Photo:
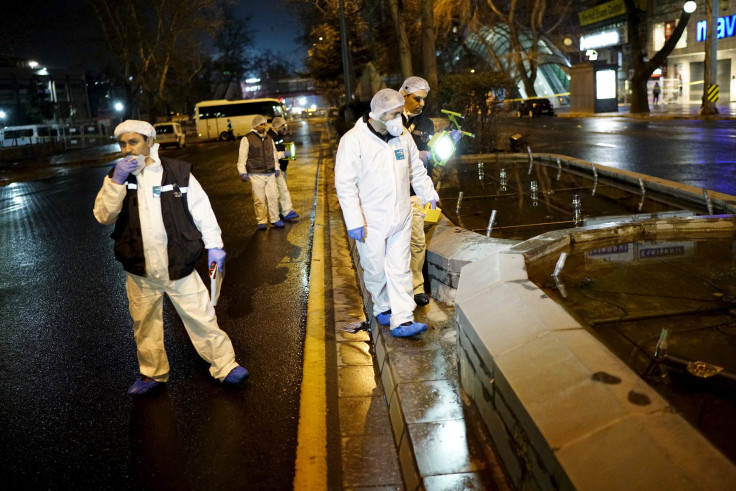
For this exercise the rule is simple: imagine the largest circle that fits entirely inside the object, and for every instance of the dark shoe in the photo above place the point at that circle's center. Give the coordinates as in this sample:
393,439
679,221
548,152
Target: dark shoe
292,215
279,224
262,226
408,329
384,318
144,385
236,376
421,299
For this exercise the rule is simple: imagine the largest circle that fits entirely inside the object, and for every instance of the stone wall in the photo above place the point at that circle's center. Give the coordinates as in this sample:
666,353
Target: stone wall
563,411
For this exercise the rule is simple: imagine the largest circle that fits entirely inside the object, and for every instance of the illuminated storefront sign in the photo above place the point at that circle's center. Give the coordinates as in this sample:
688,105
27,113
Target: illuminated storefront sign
602,12
599,40
725,28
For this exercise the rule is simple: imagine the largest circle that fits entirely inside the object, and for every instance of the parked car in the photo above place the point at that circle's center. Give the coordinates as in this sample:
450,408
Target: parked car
170,134
535,108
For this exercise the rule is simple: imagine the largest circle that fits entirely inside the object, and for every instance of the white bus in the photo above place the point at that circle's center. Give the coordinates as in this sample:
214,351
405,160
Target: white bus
31,134
212,116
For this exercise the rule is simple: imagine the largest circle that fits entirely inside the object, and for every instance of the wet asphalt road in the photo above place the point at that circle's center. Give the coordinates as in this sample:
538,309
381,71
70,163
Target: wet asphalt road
695,152
67,354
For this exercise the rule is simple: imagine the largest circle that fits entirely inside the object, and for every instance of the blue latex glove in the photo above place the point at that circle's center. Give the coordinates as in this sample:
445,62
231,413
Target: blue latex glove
456,135
217,256
123,169
244,177
357,233
425,156
433,202
287,154
278,173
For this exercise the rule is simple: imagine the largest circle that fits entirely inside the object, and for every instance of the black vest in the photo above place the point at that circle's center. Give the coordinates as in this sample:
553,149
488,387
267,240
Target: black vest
278,140
184,243
260,154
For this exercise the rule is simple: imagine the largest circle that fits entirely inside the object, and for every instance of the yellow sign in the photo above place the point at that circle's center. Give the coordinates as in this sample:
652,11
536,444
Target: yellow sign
604,11
713,93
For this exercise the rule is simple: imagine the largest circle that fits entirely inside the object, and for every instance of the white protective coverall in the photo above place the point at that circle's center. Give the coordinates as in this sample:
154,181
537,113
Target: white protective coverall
372,181
189,294
265,186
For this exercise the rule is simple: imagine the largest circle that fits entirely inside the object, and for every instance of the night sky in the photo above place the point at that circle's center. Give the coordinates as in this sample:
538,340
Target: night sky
63,34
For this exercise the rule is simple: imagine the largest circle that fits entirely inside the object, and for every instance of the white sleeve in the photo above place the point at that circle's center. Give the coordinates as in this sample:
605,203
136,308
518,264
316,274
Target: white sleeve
420,181
347,174
276,156
109,201
204,217
243,155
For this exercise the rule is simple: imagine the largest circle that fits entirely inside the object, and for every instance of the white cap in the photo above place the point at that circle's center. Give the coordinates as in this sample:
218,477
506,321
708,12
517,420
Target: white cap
385,100
257,120
278,122
414,84
134,126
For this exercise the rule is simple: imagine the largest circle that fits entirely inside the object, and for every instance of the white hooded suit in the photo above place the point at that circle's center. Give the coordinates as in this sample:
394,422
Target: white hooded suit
372,178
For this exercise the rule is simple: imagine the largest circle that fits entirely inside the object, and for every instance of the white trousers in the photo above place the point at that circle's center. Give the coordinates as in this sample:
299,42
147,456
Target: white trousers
284,195
265,193
384,257
417,245
192,301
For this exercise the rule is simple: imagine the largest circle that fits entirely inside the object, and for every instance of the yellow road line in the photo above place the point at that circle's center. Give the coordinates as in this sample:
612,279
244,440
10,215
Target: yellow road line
311,450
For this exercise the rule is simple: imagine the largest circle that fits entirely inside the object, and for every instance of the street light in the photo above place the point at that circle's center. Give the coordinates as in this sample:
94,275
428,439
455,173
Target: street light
689,7
119,109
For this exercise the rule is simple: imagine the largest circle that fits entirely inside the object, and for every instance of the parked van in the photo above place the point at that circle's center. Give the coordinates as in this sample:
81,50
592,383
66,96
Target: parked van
170,134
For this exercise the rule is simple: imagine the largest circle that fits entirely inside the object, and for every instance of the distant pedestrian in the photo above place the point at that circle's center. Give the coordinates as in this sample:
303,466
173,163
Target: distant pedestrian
277,131
163,219
258,163
230,134
655,93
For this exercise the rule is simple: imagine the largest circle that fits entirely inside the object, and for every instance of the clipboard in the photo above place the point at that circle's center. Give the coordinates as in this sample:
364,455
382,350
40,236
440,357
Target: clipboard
215,283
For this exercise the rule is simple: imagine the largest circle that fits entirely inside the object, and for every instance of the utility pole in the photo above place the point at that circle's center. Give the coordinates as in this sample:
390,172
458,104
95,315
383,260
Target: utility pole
710,70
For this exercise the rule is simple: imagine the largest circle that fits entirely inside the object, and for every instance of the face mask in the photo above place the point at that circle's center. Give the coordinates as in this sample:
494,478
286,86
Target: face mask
395,126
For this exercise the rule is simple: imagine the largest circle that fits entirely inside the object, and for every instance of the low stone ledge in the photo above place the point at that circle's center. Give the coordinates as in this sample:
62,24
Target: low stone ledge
565,412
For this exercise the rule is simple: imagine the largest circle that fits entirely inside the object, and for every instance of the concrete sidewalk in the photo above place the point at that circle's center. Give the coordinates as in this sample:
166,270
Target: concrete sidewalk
441,441
663,110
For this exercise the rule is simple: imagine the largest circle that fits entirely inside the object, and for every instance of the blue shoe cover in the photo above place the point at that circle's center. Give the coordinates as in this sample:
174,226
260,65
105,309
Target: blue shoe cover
384,318
408,329
262,226
143,385
291,215
236,376
278,224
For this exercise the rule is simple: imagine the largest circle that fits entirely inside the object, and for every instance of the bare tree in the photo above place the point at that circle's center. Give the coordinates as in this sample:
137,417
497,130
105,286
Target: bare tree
151,38
637,23
403,40
526,22
429,43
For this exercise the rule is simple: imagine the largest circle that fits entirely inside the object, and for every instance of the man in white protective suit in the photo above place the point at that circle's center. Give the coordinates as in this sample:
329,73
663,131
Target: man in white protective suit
376,161
163,219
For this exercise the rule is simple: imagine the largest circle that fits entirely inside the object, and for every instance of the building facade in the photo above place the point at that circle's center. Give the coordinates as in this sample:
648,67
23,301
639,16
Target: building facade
682,76
31,93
